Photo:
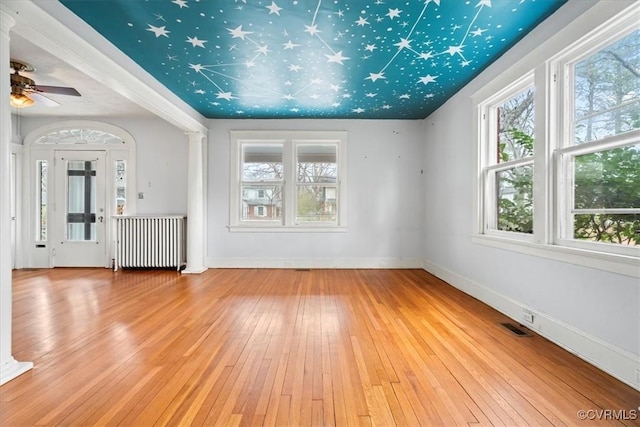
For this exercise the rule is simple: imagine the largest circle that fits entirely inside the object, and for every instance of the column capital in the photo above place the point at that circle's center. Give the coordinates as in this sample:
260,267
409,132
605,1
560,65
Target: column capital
6,20
195,136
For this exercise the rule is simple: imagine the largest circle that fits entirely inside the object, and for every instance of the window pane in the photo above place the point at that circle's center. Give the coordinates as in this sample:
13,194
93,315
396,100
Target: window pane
608,228
262,162
261,202
317,164
515,127
316,203
121,186
81,200
41,203
608,179
607,91
515,199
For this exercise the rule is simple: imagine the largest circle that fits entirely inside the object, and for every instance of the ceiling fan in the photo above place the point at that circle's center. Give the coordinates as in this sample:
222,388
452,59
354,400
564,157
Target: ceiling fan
25,92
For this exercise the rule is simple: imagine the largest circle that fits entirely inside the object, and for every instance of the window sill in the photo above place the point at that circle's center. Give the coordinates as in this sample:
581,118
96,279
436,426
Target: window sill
620,264
284,229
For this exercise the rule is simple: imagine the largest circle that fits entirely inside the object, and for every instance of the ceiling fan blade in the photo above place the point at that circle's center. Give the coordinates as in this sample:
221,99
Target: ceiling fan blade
57,90
44,100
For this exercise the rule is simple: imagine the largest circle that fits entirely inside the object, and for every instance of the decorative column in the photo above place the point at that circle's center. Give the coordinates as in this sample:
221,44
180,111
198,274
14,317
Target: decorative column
9,367
195,208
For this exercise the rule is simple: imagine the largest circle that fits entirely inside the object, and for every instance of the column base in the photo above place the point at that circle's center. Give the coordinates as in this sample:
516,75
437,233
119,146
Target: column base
197,270
13,369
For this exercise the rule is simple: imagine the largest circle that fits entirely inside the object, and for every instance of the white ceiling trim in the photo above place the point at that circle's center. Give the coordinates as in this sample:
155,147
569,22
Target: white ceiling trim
48,24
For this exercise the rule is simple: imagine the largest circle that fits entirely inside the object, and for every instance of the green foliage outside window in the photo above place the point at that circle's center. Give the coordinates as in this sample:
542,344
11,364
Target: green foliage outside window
608,180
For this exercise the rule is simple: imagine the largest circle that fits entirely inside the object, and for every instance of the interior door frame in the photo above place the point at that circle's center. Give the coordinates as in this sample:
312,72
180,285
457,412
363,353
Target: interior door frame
38,253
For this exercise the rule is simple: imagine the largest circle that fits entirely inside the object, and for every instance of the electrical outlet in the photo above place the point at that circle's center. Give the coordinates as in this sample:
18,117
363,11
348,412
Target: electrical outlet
527,316
140,196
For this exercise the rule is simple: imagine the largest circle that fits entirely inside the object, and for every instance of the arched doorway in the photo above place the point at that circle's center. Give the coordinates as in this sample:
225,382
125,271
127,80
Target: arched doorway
80,174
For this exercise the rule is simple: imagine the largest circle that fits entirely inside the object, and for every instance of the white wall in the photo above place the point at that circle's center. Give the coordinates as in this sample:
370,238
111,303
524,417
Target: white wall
161,151
385,201
591,312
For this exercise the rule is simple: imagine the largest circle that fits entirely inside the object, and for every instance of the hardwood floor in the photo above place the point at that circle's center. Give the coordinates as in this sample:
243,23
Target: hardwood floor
286,347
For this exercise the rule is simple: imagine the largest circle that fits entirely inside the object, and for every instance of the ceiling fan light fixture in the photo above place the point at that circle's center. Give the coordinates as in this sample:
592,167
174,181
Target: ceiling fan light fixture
20,100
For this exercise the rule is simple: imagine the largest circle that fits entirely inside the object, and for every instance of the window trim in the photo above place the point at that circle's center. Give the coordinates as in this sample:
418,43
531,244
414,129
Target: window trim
290,141
595,28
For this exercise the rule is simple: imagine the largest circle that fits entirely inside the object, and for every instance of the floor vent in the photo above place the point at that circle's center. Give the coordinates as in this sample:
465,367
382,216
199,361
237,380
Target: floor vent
515,330
303,269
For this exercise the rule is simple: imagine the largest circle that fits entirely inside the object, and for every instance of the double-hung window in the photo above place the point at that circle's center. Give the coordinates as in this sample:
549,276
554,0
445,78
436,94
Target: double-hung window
598,157
508,121
288,180
558,149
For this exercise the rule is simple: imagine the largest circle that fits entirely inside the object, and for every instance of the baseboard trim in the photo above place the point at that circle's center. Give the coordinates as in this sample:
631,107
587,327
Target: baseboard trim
346,263
615,361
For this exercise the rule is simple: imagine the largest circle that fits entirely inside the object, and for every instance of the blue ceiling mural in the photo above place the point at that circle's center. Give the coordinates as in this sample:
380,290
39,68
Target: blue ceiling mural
382,59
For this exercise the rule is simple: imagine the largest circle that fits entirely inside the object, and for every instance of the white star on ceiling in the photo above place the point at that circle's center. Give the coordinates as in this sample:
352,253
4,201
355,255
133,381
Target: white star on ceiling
362,22
158,31
195,41
225,95
403,43
263,50
478,32
338,58
290,45
196,67
375,76
273,8
312,29
454,49
428,79
393,13
238,33
181,3
294,67
370,47
484,3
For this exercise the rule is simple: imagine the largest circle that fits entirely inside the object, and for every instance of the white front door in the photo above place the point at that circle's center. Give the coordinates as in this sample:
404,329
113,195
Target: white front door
79,209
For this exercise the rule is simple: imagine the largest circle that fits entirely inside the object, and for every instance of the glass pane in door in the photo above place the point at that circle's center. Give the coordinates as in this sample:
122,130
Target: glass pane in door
81,196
